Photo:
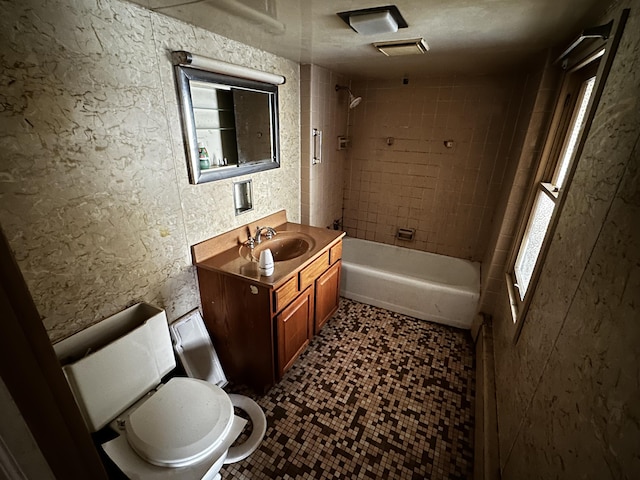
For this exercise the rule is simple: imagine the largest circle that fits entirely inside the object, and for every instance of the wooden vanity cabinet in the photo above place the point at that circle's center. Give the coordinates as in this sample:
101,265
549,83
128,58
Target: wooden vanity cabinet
327,291
258,331
327,288
294,330
237,315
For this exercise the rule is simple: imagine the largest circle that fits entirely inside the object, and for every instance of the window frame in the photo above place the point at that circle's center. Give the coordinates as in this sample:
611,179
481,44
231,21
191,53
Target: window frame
557,135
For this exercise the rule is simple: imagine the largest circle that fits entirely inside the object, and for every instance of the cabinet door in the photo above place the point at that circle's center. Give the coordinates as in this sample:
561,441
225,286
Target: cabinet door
294,329
327,295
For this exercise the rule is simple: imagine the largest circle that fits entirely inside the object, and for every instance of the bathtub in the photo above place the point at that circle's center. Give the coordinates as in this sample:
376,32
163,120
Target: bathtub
419,284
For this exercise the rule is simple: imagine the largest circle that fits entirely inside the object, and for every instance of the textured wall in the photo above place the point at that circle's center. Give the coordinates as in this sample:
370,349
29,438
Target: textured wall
540,92
568,390
94,185
325,109
447,195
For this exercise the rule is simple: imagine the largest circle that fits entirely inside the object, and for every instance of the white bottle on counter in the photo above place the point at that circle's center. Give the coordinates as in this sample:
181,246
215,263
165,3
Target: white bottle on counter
265,263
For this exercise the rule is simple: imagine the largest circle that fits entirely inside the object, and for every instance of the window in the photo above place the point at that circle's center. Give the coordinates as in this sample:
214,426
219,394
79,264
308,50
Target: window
552,179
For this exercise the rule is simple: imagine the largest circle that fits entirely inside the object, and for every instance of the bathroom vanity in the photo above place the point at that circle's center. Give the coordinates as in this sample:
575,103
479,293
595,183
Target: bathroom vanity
260,325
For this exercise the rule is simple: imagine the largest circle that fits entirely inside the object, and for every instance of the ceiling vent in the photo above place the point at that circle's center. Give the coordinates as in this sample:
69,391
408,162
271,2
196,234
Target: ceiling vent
414,46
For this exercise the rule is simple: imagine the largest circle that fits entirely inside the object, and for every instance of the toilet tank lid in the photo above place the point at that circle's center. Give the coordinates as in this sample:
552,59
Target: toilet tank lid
101,334
193,345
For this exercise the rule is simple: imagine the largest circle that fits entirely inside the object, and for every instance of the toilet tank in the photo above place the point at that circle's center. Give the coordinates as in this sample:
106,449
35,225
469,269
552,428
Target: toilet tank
112,364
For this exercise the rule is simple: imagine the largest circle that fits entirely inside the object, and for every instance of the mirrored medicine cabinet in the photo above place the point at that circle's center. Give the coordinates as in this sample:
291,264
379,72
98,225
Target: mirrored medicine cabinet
229,124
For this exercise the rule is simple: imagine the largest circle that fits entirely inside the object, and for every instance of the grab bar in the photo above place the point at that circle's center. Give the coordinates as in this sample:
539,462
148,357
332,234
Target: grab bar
317,146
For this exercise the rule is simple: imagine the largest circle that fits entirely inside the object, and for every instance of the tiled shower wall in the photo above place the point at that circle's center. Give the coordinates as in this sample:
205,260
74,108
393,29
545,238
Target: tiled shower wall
325,109
401,175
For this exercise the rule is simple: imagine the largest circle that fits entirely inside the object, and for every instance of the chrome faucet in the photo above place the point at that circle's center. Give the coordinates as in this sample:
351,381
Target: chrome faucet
270,234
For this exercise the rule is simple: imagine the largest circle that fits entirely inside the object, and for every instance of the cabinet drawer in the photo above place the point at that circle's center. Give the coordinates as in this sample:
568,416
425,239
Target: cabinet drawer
335,253
313,271
286,293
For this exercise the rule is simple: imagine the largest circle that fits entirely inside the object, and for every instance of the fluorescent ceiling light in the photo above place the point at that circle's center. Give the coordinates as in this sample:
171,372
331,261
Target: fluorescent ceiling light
414,46
373,23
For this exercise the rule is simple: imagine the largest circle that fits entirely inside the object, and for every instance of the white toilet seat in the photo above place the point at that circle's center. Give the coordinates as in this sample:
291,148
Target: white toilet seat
193,345
183,422
259,421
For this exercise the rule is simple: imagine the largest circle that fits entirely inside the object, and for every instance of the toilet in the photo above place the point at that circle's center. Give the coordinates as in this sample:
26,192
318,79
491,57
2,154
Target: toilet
183,428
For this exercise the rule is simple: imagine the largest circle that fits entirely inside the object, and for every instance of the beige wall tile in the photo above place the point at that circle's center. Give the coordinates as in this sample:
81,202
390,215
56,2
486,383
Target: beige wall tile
328,113
425,182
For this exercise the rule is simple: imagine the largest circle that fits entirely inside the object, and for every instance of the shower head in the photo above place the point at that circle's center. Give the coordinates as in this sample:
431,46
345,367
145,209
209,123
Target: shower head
353,100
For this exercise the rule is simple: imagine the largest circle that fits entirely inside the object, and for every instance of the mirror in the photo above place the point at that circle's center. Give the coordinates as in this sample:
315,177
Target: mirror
230,124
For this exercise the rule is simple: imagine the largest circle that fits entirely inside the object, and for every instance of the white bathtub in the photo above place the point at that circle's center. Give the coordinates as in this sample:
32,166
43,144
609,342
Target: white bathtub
419,284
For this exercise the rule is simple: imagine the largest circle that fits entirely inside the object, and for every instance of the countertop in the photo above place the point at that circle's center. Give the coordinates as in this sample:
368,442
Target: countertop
231,262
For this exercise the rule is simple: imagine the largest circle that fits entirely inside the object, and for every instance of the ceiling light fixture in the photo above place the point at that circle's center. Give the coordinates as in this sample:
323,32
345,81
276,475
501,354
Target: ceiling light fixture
374,21
189,59
415,46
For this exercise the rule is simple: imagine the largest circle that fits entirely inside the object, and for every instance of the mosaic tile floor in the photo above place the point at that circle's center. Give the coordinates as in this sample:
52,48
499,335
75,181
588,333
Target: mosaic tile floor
376,395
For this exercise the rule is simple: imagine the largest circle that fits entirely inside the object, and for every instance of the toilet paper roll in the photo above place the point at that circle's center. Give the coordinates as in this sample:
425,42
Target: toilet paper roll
265,263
